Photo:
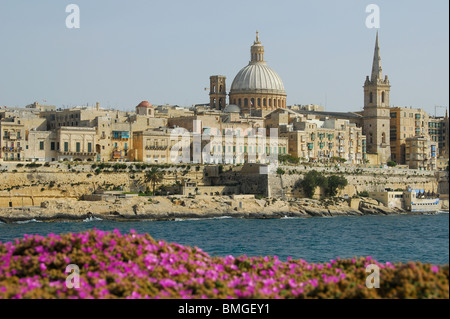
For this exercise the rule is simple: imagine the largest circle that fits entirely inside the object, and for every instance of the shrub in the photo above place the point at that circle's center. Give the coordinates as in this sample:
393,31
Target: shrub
137,266
363,194
391,164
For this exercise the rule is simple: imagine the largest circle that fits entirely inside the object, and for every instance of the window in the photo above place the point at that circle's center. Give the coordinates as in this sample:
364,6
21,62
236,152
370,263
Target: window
90,147
52,146
371,97
382,97
66,146
78,147
41,146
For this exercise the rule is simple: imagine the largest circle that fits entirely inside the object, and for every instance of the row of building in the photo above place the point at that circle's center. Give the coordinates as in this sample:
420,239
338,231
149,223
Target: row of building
151,134
255,126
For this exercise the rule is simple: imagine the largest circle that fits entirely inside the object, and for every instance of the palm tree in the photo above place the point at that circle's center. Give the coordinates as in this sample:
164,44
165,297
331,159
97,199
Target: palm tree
154,176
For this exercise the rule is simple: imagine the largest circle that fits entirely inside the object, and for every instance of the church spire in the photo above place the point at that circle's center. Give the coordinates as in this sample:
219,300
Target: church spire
377,72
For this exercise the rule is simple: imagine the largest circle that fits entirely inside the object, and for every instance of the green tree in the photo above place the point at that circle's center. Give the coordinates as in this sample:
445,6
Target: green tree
335,182
154,176
312,180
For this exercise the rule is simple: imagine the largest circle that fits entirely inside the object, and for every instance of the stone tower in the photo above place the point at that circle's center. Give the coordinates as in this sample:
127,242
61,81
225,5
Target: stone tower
218,92
376,115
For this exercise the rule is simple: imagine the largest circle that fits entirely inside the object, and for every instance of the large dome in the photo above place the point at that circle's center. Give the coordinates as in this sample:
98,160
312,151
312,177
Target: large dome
257,77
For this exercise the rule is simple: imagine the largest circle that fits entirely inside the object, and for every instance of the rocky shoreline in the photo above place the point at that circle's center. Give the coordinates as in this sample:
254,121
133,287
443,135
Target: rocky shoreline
172,208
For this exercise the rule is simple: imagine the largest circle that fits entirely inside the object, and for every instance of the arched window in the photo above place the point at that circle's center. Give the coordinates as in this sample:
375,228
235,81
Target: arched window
371,97
246,102
383,138
240,103
259,102
382,97
264,102
270,102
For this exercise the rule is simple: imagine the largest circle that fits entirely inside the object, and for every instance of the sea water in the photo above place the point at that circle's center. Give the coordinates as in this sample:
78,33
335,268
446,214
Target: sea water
398,238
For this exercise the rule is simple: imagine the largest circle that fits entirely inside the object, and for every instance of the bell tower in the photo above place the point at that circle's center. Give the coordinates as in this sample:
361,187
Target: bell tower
217,92
377,110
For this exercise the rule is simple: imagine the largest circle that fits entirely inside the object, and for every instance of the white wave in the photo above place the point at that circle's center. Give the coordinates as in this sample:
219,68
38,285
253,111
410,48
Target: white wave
206,218
442,212
91,219
28,221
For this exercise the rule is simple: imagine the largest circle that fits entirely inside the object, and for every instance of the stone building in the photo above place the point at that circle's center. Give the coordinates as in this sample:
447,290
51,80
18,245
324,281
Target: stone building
438,131
76,144
376,121
324,141
421,153
41,146
12,140
218,92
406,123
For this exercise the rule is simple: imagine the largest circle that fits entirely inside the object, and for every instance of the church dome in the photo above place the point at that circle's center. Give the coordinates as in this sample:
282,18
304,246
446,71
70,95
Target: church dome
257,77
232,108
145,104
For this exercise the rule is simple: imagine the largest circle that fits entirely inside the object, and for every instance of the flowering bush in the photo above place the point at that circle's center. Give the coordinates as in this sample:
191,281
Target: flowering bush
113,265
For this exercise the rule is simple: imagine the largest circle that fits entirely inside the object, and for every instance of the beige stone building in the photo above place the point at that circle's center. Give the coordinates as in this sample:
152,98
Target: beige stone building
406,123
153,146
12,140
41,146
323,141
76,144
421,153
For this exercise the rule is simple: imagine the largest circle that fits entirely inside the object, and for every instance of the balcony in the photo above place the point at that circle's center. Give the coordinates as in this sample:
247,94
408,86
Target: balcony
12,150
156,148
77,153
12,138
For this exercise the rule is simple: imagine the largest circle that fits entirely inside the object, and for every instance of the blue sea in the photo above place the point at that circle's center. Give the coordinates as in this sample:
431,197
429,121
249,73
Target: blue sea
399,238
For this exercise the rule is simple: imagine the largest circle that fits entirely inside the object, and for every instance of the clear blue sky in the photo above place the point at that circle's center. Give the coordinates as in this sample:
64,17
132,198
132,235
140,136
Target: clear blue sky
165,51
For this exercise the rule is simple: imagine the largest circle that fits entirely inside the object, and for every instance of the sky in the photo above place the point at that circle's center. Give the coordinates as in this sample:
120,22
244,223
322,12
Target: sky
164,52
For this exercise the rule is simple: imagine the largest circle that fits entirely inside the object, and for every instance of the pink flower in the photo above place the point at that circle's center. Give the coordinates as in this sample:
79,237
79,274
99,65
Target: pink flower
167,283
435,269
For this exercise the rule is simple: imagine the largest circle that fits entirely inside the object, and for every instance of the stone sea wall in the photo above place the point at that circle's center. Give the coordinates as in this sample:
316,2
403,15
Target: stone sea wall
23,186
